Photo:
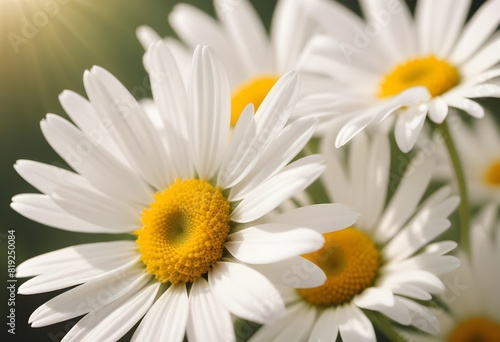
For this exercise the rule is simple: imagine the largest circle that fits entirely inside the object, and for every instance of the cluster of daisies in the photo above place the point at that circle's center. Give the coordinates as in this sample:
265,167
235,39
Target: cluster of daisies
209,183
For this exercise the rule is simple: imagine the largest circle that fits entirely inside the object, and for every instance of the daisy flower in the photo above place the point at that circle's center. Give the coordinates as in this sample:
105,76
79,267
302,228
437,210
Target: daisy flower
481,169
382,263
471,294
253,59
186,195
417,66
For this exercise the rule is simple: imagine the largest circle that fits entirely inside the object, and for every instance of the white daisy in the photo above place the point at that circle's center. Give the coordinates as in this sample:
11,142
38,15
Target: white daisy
384,262
185,194
479,147
390,62
254,60
472,296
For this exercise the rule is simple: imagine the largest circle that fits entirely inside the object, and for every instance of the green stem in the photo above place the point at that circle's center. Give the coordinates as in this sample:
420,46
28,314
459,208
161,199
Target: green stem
463,209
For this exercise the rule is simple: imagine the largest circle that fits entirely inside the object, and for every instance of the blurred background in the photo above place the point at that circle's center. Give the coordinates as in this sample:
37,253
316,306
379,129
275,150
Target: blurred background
45,46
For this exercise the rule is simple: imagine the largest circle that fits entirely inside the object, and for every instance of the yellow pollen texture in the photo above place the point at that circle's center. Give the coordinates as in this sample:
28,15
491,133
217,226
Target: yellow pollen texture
253,91
436,75
476,330
492,174
183,231
350,261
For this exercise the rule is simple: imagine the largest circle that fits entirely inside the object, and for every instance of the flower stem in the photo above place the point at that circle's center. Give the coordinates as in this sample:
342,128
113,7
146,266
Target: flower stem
463,209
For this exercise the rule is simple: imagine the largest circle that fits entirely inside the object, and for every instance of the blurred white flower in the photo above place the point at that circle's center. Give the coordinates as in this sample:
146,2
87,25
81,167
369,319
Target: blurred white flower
392,62
253,59
471,294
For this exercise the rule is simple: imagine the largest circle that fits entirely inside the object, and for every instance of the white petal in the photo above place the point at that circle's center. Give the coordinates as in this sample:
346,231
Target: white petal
209,110
422,279
275,242
76,265
295,272
293,326
470,107
345,26
405,199
484,59
236,157
294,178
97,209
354,325
326,326
482,90
323,218
373,296
114,320
440,248
284,148
97,128
357,160
290,31
63,258
42,209
410,97
437,265
102,170
420,231
476,31
396,26
336,183
171,100
456,13
147,36
353,127
438,109
208,319
376,175
408,126
132,130
422,317
411,292
248,35
166,320
196,27
324,56
270,118
88,297
382,300
424,20
245,292
46,178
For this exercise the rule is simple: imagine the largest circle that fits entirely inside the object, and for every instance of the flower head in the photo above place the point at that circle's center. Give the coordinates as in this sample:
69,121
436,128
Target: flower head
187,195
414,67
385,262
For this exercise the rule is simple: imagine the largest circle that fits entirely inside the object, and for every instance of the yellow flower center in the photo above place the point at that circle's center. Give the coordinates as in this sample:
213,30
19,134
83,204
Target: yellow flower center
183,231
476,330
436,75
253,91
492,174
350,261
